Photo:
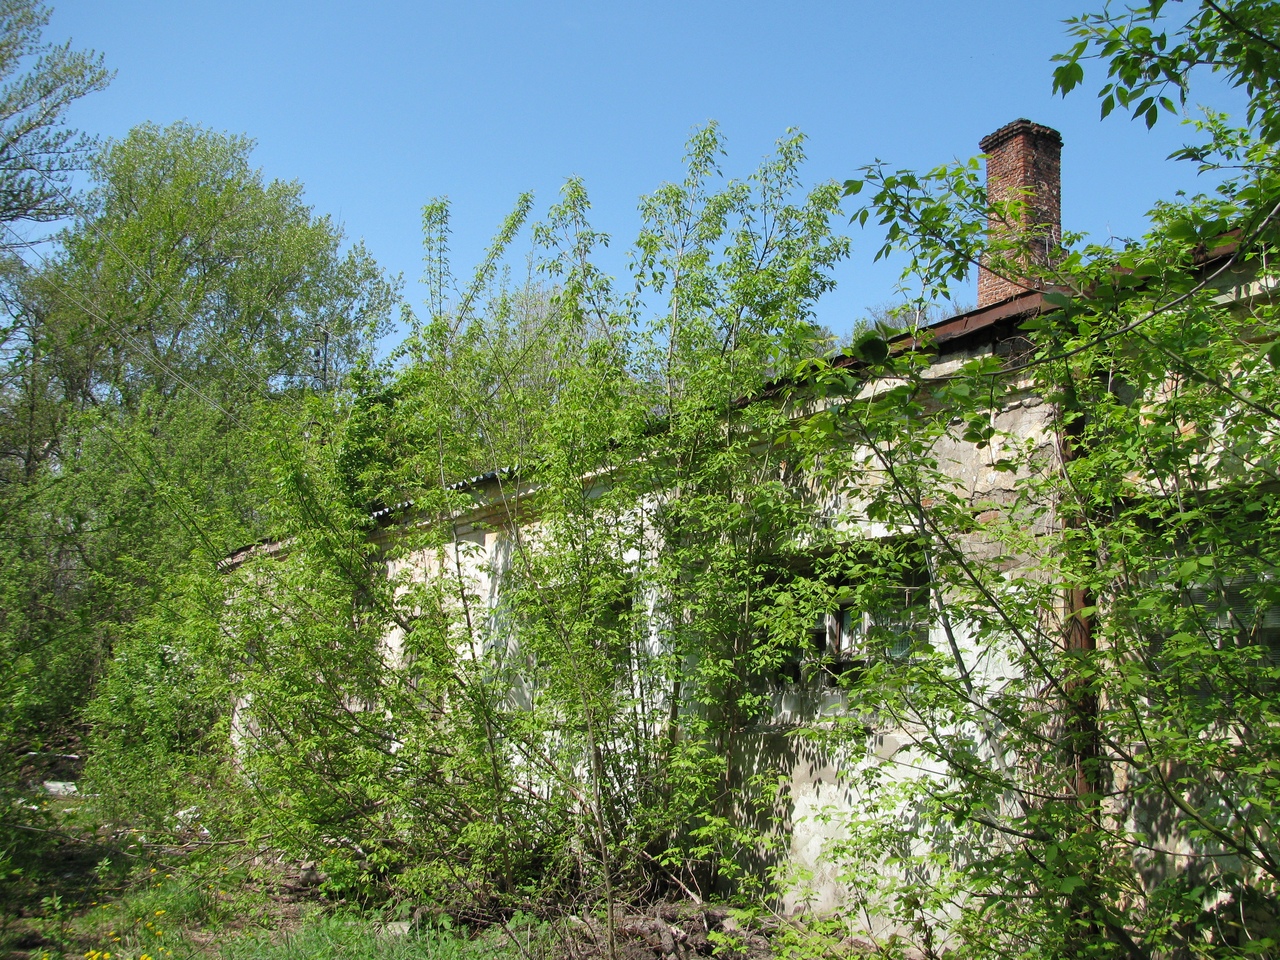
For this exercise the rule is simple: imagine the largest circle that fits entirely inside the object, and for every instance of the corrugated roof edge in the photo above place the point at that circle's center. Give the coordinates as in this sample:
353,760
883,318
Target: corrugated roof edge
466,484
238,556
1032,302
961,325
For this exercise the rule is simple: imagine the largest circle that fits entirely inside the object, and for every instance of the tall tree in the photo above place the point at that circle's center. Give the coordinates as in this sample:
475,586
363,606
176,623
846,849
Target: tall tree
186,268
190,297
38,81
38,152
524,738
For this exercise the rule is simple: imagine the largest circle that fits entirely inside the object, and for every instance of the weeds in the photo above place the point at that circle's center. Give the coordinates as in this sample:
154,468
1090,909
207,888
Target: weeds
357,939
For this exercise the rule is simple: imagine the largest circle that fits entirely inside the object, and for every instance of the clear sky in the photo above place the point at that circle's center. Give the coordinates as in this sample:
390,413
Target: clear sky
378,107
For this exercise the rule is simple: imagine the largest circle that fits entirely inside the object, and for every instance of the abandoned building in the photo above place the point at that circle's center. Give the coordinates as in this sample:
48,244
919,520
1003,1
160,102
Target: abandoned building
473,566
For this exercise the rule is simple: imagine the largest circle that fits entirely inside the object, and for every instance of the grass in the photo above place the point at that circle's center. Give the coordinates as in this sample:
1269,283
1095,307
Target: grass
355,939
151,920
163,917
78,903
68,892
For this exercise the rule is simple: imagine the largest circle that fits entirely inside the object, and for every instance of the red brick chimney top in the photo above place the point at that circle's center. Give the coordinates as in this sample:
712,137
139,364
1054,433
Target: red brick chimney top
1020,127
1023,164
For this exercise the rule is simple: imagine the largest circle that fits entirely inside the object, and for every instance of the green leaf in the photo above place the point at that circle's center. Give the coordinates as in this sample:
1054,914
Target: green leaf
1067,77
871,349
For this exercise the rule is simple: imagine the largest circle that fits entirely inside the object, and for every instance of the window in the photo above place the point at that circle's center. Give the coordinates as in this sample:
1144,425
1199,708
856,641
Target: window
1225,641
868,622
1205,603
1239,613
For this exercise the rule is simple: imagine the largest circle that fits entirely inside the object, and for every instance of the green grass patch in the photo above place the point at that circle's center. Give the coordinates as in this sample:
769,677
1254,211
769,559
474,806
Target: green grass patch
358,939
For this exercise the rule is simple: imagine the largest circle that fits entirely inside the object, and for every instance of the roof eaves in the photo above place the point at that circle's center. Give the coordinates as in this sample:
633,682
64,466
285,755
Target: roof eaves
470,483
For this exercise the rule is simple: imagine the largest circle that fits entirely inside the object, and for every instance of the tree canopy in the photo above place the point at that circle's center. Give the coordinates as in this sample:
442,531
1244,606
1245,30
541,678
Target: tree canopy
184,309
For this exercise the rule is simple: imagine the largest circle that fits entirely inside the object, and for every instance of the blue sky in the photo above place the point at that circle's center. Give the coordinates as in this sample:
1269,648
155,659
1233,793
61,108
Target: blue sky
378,107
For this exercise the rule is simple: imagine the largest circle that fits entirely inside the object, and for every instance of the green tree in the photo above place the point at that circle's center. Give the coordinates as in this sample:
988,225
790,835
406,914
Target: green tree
515,747
187,269
38,152
185,306
38,81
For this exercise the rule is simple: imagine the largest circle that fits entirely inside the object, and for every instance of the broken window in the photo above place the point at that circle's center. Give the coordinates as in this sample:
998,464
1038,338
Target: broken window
875,619
1241,611
1224,641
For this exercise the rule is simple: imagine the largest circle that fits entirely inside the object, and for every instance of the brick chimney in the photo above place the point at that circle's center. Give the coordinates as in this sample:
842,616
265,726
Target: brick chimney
1024,161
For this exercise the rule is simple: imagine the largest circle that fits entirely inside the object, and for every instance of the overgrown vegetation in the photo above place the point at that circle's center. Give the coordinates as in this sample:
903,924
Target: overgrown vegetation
551,609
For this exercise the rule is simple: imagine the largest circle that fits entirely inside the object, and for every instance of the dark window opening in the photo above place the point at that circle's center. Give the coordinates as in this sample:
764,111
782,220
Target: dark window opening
867,622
